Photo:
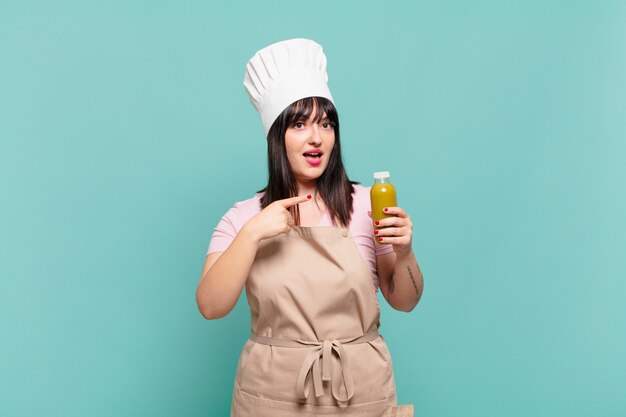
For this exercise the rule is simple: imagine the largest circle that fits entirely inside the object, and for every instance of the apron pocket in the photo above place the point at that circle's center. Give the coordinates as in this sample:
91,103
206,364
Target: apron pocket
272,372
246,404
399,411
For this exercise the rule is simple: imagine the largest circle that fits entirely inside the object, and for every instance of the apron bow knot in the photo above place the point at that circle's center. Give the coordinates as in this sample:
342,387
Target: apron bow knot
318,363
322,372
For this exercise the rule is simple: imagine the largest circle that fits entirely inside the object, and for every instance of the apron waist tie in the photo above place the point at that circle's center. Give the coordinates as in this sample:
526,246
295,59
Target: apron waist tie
322,352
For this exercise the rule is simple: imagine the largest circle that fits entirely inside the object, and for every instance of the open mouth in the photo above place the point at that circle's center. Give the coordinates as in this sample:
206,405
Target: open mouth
314,158
312,154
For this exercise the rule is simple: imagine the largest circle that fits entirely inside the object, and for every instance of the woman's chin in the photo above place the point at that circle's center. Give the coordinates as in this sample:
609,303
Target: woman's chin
309,176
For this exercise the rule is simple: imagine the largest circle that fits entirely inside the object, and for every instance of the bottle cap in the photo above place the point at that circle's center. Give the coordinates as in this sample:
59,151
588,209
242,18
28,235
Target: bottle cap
381,175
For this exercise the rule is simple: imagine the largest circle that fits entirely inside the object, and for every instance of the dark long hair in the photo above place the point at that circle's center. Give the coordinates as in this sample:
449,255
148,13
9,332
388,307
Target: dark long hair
333,185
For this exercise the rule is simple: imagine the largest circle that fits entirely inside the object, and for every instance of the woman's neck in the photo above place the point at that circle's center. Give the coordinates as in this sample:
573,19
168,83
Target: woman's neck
311,213
307,188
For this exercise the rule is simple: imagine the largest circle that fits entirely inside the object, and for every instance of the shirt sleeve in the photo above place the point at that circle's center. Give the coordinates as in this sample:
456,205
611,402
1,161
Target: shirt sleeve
225,231
383,249
362,205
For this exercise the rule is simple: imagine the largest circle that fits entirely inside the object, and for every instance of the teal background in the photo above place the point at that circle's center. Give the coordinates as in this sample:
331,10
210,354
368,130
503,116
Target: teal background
125,134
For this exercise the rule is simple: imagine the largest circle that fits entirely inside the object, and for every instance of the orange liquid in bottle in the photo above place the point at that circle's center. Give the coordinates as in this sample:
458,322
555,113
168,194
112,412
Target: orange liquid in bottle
382,194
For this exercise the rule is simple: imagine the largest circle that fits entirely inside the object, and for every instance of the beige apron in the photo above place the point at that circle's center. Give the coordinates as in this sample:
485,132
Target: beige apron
315,348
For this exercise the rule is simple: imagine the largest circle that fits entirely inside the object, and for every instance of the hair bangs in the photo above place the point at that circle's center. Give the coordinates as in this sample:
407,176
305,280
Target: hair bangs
304,108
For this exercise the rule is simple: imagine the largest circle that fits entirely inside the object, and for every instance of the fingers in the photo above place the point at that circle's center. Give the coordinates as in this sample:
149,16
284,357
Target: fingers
401,243
387,232
391,231
391,213
395,230
289,221
398,241
401,236
395,211
394,222
290,202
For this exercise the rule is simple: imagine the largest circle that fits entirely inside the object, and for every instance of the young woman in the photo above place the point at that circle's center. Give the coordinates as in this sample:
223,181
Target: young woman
310,259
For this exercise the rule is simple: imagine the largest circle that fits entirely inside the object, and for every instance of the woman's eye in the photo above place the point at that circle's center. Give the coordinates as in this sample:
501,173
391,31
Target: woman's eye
298,125
327,125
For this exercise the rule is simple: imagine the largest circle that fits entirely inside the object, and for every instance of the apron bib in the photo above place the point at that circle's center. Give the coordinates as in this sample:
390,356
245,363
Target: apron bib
315,348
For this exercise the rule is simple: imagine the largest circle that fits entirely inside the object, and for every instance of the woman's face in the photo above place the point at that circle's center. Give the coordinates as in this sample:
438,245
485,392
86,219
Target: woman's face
309,145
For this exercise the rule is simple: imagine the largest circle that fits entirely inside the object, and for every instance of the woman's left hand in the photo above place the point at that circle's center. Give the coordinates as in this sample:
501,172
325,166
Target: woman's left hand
397,230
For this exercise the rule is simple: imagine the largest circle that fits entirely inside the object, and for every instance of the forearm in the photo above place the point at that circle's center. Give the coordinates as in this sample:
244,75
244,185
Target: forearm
406,284
220,286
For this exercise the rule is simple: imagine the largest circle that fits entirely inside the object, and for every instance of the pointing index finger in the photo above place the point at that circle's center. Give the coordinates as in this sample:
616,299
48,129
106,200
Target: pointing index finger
290,202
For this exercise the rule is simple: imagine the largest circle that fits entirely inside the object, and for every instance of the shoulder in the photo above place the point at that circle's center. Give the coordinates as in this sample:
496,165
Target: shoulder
251,204
361,225
232,222
360,206
248,207
360,198
242,211
360,189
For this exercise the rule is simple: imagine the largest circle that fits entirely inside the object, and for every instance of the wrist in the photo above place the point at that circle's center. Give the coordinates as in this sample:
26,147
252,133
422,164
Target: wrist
404,254
248,232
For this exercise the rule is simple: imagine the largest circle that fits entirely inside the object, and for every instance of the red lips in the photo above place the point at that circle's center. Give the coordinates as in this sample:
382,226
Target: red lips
313,157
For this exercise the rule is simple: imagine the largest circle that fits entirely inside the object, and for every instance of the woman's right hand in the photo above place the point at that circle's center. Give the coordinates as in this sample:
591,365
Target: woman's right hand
273,219
224,273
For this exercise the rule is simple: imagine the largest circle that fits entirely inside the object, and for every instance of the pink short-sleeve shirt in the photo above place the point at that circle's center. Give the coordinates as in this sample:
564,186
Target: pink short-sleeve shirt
360,227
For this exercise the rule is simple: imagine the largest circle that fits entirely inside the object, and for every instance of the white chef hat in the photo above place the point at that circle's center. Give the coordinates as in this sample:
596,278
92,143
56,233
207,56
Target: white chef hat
283,73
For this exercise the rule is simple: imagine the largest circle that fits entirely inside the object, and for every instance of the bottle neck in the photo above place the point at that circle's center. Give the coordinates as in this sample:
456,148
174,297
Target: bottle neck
381,180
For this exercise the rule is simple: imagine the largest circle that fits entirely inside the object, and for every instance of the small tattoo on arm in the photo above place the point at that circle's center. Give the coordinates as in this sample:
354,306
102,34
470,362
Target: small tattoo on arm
392,285
413,280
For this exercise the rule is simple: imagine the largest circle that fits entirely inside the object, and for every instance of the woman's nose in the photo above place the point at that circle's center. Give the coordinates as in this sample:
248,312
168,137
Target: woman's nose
315,137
